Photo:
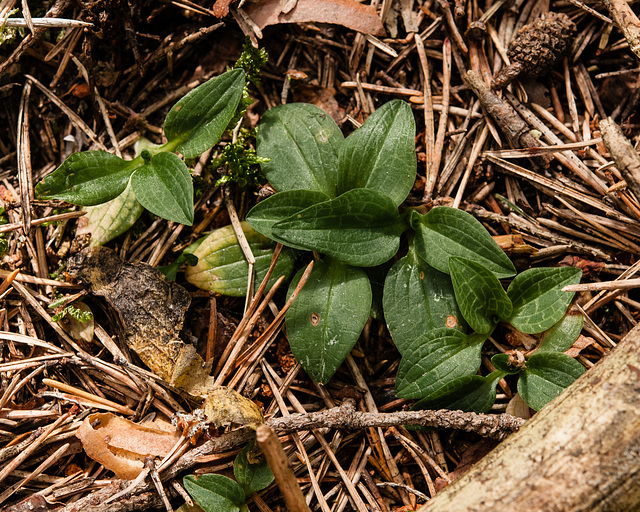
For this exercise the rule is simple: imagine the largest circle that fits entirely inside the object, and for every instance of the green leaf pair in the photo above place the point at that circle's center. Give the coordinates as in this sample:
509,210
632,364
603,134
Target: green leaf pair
441,371
159,178
218,493
341,200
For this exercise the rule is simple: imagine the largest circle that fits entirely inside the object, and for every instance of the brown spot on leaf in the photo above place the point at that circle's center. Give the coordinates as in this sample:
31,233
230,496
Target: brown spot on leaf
315,318
452,321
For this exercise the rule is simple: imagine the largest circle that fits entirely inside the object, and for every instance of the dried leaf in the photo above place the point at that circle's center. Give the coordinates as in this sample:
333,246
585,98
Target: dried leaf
121,445
579,345
349,13
151,308
224,406
518,407
221,8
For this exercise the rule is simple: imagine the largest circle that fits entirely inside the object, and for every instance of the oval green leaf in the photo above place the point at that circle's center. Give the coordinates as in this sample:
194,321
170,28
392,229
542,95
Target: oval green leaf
215,493
445,232
326,319
222,267
251,476
413,286
197,122
88,178
380,155
480,296
279,207
163,186
469,394
546,376
361,227
538,299
562,335
301,142
432,362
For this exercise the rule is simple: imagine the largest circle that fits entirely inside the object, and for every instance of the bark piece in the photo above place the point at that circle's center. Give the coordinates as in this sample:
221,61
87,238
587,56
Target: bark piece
623,154
516,130
578,453
348,13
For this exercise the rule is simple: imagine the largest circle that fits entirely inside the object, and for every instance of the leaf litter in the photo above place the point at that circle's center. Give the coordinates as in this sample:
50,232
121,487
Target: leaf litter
556,189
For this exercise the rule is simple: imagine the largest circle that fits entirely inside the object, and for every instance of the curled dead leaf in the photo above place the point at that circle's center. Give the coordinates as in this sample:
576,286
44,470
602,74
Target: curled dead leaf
121,445
224,406
348,13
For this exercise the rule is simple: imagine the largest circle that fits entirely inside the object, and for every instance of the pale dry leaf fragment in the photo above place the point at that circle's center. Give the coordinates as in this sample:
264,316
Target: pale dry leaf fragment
121,445
579,345
518,407
348,13
221,8
287,5
224,406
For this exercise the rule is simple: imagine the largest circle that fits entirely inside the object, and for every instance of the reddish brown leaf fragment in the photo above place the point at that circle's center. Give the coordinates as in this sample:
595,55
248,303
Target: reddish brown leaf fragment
348,13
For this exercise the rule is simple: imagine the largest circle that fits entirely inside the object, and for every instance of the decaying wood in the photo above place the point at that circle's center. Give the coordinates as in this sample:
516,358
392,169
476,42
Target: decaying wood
578,453
346,416
623,154
628,22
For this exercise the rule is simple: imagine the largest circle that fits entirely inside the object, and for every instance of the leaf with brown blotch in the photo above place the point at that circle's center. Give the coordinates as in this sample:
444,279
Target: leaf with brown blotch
121,445
348,13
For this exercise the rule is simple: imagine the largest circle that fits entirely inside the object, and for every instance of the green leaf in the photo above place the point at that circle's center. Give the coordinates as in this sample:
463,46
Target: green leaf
414,287
538,299
470,394
109,220
562,335
252,477
380,155
326,319
481,298
445,232
361,227
301,142
88,178
279,207
222,267
215,493
546,376
197,122
502,363
171,270
163,186
432,362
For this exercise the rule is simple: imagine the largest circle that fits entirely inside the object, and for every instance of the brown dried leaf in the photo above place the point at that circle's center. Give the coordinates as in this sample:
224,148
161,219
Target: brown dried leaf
224,406
121,445
348,13
151,307
221,8
518,407
579,345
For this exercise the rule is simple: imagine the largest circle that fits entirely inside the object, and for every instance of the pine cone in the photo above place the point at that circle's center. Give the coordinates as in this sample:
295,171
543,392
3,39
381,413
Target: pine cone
537,48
